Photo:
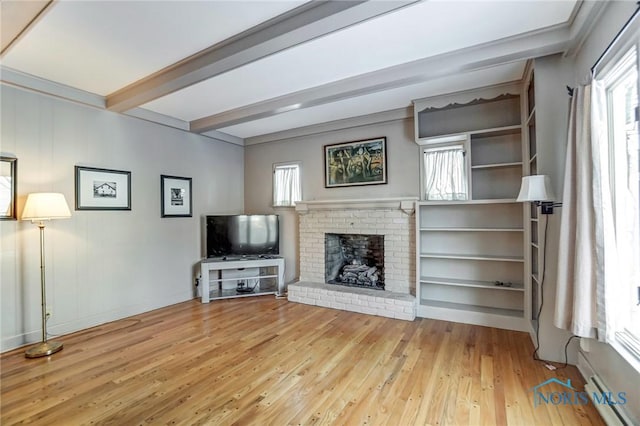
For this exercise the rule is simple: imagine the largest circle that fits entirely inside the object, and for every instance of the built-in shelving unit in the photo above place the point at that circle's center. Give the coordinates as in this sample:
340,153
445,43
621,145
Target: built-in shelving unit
476,274
470,257
534,251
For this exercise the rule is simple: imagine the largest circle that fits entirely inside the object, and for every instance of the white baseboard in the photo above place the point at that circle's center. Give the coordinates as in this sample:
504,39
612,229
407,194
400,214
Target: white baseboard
16,341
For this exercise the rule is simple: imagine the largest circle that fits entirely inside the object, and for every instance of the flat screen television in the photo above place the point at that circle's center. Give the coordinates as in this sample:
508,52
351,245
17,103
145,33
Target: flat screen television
242,235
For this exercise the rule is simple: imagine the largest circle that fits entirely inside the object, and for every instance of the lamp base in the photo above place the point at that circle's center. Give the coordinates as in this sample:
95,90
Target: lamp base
43,349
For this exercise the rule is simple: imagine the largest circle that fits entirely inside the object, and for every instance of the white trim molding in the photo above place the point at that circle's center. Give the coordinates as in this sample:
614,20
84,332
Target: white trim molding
406,204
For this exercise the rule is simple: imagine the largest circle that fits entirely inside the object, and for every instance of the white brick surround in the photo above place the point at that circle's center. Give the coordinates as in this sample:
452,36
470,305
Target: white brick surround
361,217
392,218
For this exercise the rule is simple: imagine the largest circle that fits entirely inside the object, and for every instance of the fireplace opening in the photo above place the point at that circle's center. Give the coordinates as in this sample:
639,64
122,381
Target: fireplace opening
354,260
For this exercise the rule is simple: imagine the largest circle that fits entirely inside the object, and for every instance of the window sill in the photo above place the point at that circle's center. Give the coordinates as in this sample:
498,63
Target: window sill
628,347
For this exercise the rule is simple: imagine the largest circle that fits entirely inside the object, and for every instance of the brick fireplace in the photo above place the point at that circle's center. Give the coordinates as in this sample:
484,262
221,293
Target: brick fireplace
392,220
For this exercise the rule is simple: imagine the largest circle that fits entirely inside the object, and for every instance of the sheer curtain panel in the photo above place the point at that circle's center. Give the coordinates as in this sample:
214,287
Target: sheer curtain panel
587,254
286,185
445,174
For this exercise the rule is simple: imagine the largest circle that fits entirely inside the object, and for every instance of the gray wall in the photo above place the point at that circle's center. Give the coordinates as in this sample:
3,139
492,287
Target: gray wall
552,75
104,265
402,170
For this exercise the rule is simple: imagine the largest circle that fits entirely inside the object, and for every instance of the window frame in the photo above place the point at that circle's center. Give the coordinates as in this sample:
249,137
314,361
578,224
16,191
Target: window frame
458,140
287,164
611,71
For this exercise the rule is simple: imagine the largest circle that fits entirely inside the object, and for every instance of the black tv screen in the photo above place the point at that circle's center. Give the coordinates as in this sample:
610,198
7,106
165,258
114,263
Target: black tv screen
242,235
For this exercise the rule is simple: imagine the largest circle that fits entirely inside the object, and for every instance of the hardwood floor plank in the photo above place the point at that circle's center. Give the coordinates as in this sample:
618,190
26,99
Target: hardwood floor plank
268,361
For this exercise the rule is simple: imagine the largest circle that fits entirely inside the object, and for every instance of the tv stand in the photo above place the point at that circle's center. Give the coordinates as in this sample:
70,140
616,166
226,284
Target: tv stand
269,280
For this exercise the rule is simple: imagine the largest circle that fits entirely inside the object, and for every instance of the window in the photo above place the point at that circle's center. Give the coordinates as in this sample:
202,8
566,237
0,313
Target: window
621,88
445,173
287,188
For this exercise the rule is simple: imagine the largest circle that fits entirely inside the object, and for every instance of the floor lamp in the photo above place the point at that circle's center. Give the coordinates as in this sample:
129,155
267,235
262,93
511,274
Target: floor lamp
39,208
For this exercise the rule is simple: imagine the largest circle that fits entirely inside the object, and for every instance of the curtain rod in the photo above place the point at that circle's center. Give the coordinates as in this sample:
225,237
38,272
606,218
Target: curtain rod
616,38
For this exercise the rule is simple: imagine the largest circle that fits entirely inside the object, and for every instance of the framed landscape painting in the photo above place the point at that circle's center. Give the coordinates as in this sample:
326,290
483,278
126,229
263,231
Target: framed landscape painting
355,163
175,196
102,189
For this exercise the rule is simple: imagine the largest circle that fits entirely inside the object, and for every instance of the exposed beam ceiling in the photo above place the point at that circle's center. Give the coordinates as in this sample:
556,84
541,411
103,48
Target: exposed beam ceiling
252,72
16,17
304,23
464,60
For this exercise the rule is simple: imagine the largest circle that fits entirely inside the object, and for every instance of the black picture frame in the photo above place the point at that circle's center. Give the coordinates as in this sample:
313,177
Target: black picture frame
102,189
8,188
356,163
175,196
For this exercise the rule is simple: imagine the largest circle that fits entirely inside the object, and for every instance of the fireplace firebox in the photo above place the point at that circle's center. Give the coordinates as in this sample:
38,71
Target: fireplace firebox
354,260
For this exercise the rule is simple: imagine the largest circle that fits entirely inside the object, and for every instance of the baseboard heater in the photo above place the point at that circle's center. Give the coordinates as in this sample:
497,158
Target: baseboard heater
613,415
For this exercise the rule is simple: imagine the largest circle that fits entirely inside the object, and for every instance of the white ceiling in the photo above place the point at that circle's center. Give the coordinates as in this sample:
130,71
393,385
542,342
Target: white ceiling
214,66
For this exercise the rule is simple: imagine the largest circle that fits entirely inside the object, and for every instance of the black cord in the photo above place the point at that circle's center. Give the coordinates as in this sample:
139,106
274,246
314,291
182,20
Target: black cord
566,357
566,346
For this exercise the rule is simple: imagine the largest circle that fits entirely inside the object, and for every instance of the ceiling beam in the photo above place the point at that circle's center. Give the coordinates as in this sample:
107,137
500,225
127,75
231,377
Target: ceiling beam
304,23
330,126
525,46
17,18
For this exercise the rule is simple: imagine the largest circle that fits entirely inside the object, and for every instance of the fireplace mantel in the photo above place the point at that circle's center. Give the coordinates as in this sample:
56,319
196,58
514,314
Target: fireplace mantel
406,204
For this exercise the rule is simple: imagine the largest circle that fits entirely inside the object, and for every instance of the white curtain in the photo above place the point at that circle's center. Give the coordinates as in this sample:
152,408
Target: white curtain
286,185
586,258
445,174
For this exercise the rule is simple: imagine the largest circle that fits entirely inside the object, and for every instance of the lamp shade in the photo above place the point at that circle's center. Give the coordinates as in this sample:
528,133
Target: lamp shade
536,188
45,206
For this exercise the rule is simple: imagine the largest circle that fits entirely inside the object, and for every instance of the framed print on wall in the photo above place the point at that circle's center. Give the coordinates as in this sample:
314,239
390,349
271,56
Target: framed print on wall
175,195
8,171
102,189
355,163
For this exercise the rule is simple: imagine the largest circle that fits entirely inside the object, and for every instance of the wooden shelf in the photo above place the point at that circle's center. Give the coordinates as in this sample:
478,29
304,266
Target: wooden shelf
497,165
531,119
439,229
215,293
451,203
462,136
496,131
470,283
473,257
473,308
257,277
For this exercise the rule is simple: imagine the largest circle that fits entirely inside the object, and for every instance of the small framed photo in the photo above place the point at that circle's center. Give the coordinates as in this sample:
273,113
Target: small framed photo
175,194
355,163
8,171
102,189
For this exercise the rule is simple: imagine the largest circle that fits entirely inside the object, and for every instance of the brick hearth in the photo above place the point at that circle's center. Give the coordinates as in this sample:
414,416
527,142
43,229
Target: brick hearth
354,299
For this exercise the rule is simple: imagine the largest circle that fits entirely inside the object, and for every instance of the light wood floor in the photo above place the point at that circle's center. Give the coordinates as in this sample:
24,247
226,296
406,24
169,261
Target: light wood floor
266,361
